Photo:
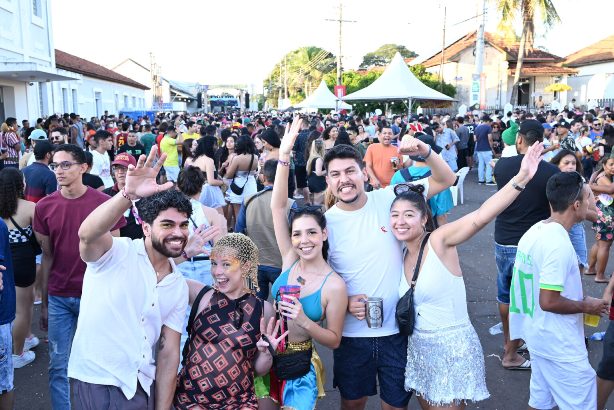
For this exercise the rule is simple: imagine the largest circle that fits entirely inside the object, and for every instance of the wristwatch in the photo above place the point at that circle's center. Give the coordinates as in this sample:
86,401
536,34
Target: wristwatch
517,187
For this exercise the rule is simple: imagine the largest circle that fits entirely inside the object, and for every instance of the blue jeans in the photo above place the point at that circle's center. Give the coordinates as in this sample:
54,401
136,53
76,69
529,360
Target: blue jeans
63,315
484,168
266,275
505,256
6,359
578,240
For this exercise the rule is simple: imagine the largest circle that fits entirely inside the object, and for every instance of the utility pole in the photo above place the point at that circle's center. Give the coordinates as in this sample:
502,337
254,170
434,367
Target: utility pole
340,20
443,49
478,79
286,77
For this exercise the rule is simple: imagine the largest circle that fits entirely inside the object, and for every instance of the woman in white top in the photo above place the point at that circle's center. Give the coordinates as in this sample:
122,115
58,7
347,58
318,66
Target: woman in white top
445,362
202,157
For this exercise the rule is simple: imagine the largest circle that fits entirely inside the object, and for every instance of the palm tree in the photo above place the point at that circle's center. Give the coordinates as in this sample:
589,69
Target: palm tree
299,72
528,10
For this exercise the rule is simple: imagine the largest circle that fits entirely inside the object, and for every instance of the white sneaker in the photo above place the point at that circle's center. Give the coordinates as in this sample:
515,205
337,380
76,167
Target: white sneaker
299,196
31,342
23,359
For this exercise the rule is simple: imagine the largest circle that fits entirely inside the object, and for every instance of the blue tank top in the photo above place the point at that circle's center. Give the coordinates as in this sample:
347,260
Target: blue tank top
312,304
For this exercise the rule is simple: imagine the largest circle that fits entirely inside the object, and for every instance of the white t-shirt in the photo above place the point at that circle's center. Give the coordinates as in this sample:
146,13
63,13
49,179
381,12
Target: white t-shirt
582,142
368,257
101,166
546,259
123,309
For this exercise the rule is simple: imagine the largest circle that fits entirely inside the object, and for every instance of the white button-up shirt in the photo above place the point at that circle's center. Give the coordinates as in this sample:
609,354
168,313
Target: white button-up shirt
122,312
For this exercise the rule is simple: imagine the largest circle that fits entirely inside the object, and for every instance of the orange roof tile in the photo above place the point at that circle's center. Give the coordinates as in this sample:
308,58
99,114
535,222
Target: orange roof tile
510,49
79,65
599,52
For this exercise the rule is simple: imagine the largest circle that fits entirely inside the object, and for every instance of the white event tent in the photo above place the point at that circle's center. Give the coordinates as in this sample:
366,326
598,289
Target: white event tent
322,97
397,82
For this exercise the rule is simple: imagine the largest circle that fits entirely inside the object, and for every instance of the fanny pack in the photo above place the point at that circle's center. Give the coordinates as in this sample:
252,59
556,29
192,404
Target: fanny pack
292,365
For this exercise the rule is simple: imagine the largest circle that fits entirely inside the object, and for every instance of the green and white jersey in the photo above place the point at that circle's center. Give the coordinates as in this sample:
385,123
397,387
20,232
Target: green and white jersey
546,260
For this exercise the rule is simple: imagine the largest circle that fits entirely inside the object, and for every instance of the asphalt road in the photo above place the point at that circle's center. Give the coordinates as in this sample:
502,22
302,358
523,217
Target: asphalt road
509,389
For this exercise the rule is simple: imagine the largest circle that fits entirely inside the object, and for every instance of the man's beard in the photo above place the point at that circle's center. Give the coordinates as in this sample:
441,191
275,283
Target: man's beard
162,249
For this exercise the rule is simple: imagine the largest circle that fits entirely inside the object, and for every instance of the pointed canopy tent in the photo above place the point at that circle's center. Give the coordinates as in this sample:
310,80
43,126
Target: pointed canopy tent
322,97
397,82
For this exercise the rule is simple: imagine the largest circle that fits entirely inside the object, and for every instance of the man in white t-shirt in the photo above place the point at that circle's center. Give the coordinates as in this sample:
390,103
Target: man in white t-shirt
547,303
134,298
369,258
101,164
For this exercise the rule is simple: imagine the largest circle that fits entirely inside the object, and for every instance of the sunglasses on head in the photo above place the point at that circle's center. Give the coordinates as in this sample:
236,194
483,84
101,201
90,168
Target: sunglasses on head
403,188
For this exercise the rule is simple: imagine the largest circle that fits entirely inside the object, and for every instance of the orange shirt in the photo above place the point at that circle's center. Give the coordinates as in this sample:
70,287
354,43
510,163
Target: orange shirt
379,157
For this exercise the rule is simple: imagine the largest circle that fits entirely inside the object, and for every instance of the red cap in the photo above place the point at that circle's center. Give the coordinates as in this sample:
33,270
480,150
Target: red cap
124,160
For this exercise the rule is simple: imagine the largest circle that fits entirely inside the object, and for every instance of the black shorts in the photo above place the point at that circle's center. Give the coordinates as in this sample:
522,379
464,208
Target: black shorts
362,362
605,370
301,176
24,264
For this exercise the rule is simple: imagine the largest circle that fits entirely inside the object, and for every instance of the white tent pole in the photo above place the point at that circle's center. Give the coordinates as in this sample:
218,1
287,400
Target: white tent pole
408,108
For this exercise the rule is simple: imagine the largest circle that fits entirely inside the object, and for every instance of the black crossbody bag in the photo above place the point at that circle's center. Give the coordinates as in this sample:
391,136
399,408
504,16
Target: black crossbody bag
193,311
236,189
406,310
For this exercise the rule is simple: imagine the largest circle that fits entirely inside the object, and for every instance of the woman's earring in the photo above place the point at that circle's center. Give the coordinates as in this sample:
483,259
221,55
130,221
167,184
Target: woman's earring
424,228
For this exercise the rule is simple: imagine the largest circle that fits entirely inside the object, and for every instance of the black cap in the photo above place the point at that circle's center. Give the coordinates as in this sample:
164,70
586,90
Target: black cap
531,125
564,124
428,140
42,148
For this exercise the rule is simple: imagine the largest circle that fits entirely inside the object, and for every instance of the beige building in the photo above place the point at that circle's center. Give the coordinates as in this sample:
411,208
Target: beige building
595,79
539,70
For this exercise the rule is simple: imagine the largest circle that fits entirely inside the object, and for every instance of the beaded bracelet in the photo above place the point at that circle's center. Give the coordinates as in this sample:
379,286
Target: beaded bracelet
284,163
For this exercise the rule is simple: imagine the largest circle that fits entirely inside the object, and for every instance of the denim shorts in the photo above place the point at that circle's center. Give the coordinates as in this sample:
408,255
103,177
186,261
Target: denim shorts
360,362
505,256
6,359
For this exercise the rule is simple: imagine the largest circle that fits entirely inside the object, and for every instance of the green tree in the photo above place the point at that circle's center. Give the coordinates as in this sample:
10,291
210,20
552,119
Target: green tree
302,69
383,55
530,12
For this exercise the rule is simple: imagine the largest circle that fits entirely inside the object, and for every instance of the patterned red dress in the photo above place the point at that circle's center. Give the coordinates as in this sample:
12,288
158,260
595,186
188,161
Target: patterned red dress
219,370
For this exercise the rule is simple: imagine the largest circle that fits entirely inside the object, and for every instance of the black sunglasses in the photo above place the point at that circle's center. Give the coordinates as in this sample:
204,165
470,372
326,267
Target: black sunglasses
301,209
401,189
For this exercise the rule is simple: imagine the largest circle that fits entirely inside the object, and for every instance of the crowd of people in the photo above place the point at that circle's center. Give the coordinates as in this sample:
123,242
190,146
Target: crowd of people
196,261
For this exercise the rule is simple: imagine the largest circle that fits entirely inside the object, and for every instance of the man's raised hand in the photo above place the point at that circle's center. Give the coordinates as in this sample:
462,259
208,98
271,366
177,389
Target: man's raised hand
141,180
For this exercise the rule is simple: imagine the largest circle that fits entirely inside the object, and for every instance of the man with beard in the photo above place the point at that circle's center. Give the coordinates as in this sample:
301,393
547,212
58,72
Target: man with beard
371,268
134,298
57,218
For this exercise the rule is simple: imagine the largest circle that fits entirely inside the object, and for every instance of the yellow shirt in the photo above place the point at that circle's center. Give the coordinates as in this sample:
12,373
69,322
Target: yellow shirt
169,146
188,136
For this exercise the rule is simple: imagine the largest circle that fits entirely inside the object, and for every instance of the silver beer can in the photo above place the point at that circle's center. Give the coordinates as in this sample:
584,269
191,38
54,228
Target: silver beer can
374,312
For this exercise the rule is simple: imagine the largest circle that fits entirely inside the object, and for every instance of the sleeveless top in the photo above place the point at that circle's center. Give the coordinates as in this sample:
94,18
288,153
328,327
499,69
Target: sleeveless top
219,370
15,236
312,304
439,297
198,218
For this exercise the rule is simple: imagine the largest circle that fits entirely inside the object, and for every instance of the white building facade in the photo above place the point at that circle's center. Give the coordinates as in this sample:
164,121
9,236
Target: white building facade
97,89
27,60
595,79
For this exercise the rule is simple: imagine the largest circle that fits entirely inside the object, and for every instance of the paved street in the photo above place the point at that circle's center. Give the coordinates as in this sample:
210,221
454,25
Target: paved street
509,390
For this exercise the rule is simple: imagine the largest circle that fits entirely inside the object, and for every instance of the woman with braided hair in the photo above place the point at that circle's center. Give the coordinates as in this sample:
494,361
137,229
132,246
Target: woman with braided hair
232,333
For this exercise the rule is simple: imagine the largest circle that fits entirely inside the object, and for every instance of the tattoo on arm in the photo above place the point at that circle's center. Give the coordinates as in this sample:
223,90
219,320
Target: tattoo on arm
161,342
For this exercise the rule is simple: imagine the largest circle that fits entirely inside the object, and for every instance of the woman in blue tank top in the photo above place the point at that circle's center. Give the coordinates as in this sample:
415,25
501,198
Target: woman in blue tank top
296,379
